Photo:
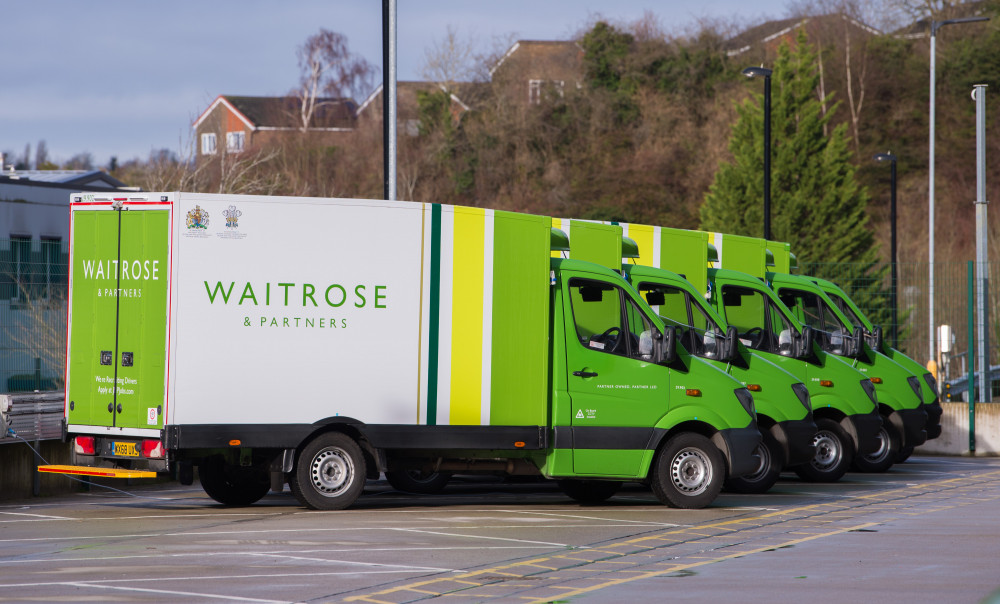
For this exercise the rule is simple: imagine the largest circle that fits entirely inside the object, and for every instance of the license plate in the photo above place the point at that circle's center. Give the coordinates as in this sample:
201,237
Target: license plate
126,450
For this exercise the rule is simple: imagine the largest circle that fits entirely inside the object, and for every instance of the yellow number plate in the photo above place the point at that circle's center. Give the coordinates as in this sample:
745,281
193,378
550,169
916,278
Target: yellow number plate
126,449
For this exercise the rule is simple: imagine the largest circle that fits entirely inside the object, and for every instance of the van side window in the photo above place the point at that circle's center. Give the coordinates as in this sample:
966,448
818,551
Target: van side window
814,312
759,322
697,332
607,320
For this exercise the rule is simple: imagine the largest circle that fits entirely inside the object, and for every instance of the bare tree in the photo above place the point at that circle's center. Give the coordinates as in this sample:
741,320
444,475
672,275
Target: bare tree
245,173
329,70
80,161
855,100
450,60
41,155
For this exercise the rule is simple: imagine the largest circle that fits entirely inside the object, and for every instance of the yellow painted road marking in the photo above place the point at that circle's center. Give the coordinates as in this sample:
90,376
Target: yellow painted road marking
778,520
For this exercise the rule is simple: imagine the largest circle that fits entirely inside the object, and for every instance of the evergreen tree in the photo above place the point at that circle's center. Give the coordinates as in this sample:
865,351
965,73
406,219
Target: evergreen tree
817,205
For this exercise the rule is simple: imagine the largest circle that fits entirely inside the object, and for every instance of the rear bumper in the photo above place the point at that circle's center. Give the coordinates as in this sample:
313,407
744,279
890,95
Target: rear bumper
96,471
864,428
740,444
796,438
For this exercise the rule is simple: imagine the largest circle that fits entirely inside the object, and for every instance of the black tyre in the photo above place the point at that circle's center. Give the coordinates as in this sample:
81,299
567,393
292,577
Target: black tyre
688,472
766,474
904,454
882,458
589,491
233,485
329,472
415,481
834,453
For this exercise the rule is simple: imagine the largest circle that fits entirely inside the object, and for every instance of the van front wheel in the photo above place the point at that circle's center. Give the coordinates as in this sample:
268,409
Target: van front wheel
882,458
834,453
329,472
766,474
688,472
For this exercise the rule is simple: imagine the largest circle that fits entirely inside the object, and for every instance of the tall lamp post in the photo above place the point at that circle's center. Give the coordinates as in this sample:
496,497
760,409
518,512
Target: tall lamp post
763,72
935,25
889,157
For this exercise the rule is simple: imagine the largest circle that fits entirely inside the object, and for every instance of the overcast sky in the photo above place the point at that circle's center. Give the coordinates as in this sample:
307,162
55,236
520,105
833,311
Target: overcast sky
125,77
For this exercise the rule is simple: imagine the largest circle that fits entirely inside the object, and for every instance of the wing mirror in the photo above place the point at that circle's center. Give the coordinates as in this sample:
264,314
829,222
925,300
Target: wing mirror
857,342
732,337
877,337
805,343
669,345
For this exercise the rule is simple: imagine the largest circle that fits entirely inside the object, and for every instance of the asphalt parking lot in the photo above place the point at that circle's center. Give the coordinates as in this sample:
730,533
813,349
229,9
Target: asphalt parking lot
926,531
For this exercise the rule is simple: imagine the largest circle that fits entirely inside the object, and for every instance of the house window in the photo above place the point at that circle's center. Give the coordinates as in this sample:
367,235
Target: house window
235,141
534,92
208,143
536,87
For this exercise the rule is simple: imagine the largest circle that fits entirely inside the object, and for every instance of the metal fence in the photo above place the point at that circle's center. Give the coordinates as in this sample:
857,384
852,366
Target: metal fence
32,314
954,303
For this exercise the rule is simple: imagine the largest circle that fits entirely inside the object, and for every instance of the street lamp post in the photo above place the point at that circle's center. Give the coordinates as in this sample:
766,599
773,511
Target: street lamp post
935,25
763,72
889,157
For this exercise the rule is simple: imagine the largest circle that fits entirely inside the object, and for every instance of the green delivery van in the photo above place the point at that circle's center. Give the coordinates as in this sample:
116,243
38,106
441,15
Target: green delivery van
843,399
873,335
784,413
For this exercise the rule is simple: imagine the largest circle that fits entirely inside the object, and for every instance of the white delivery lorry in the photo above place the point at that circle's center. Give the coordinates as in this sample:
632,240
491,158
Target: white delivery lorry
318,342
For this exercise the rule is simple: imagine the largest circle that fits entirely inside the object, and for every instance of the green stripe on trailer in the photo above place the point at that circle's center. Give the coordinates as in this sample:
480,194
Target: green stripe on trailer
520,319
781,253
434,323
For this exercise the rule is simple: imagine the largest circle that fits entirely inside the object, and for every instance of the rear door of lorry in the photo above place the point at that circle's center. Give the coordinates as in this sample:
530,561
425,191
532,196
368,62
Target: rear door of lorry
117,330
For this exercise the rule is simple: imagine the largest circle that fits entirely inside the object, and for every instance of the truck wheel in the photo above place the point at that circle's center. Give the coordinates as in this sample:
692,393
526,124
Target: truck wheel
766,474
834,452
904,454
329,472
882,458
415,481
589,491
233,485
688,472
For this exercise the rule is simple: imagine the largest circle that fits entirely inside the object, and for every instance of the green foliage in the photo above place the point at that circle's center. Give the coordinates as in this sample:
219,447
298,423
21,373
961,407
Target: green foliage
605,51
434,110
816,203
605,61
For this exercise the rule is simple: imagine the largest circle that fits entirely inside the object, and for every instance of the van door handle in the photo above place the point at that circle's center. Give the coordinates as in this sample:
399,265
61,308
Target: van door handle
585,374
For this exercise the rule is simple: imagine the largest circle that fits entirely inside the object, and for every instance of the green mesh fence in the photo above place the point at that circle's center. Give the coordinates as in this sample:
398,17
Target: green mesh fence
869,286
33,277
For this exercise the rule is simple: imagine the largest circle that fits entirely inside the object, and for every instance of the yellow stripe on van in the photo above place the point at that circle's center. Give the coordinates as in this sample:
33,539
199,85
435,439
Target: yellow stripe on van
557,223
643,234
467,317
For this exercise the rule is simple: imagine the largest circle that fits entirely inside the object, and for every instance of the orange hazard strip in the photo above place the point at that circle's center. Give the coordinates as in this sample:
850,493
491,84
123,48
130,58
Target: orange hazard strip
91,471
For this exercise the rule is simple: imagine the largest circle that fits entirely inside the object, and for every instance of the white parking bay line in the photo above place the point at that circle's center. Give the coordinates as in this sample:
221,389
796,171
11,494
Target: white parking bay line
443,534
176,593
613,520
35,516
352,562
